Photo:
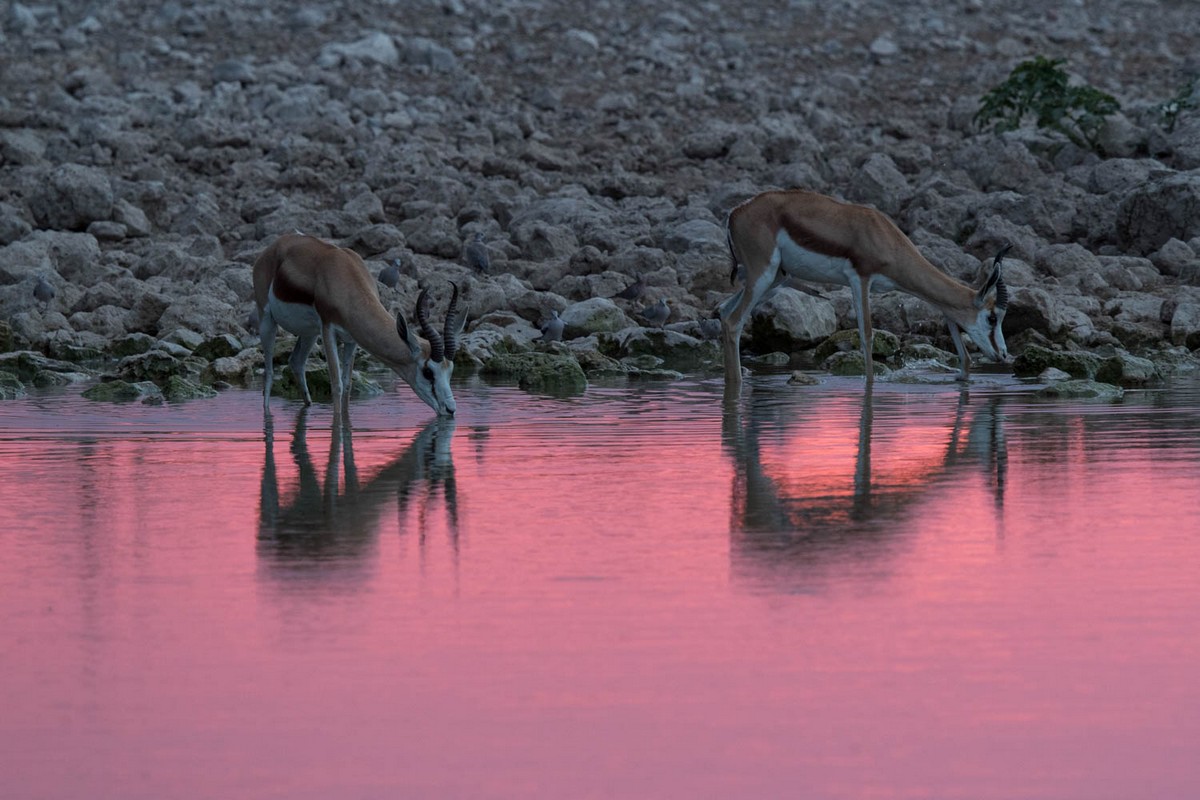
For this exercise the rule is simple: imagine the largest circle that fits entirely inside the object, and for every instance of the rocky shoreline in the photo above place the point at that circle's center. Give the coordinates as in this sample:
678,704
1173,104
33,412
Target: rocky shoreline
148,155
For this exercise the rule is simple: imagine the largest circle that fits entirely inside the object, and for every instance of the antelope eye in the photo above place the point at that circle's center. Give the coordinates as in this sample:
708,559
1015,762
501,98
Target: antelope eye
992,319
427,372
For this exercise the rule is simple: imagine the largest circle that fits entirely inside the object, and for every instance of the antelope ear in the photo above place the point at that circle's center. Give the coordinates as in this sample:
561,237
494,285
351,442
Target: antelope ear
988,286
407,335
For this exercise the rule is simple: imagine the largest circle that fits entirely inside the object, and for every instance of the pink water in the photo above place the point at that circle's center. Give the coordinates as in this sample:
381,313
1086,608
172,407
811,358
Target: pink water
628,594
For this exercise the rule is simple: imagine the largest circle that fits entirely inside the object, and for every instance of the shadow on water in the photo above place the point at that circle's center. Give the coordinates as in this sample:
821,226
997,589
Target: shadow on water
337,517
798,502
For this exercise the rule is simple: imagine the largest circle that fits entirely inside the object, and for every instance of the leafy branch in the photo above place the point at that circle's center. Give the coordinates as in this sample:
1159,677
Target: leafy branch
1042,89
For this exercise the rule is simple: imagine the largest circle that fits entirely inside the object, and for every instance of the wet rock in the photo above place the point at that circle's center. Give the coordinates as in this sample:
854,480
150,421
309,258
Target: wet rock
1034,360
179,389
676,350
851,363
1081,388
539,372
799,378
120,391
1127,370
26,364
156,366
1053,375
316,375
884,345
10,386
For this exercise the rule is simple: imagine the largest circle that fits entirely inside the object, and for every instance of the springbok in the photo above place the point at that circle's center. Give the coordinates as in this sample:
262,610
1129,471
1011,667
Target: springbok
799,234
312,288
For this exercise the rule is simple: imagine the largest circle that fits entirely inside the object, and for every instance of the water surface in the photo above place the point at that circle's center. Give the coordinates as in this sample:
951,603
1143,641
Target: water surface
634,593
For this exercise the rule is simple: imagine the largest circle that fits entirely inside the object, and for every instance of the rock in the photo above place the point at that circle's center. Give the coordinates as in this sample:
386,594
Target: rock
851,363
791,320
222,345
676,350
1034,360
884,344
119,391
596,315
1185,325
539,372
26,365
881,184
155,366
1124,369
131,344
316,375
1053,375
799,378
1173,258
1079,388
1160,210
10,386
179,389
71,197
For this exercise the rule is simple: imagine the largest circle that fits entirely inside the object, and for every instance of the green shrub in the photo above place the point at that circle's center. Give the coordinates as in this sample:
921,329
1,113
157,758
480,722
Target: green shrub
1041,88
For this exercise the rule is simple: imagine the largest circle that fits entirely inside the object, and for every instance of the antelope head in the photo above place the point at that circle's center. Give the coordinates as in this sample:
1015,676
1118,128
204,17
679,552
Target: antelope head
991,301
430,371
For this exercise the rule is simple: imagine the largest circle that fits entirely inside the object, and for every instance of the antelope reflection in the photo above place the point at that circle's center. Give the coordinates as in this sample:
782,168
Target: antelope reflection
801,496
336,519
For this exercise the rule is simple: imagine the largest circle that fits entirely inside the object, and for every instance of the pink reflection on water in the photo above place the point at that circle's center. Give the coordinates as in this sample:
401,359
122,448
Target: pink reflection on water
921,597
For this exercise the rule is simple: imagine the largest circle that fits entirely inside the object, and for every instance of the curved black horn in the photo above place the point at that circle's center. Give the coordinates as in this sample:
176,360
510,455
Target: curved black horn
436,350
1001,289
450,329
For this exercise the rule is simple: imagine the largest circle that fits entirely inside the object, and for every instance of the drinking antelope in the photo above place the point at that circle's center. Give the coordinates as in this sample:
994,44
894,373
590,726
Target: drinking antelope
313,288
798,234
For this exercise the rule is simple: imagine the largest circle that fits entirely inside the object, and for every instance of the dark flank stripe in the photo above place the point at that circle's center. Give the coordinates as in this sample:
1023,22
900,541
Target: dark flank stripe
288,291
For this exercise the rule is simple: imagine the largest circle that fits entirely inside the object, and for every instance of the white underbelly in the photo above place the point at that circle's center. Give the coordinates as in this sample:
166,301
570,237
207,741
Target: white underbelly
809,265
299,319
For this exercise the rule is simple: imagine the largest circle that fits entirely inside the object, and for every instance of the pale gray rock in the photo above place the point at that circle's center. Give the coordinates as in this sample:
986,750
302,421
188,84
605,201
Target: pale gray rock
1185,325
595,315
791,320
71,196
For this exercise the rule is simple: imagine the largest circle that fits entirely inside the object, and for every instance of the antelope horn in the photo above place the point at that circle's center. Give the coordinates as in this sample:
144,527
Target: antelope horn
436,349
1001,289
450,329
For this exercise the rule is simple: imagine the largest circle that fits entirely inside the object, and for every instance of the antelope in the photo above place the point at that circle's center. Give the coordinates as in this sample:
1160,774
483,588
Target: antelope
778,235
312,288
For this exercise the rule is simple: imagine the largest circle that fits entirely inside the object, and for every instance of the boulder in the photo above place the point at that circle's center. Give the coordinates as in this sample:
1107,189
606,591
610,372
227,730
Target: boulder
553,373
1185,325
119,391
1079,388
71,197
791,320
1161,209
596,315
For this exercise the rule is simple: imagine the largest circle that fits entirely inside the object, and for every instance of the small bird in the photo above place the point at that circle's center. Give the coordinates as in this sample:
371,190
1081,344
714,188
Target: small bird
631,292
658,313
389,276
476,255
552,329
43,292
